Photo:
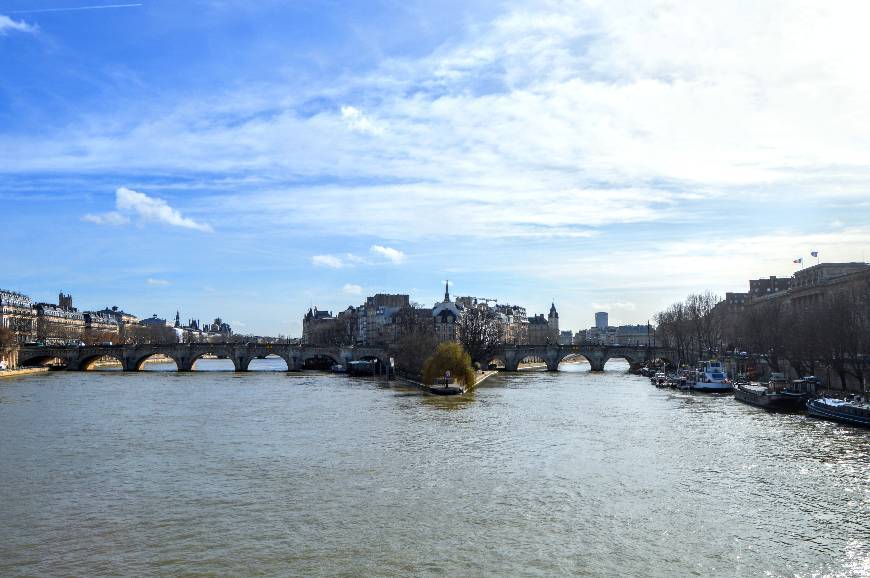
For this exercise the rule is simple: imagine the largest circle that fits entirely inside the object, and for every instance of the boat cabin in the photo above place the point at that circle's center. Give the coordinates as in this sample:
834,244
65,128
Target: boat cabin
809,384
777,381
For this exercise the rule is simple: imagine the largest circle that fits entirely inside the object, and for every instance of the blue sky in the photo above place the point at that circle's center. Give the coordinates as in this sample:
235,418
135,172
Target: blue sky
250,159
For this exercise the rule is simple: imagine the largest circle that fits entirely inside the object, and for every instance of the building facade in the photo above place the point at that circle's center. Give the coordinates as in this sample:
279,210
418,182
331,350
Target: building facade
633,335
515,322
100,327
60,324
318,327
17,315
446,316
543,330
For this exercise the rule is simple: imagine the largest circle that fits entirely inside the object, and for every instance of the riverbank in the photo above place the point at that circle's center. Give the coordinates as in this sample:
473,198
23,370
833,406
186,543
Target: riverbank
23,371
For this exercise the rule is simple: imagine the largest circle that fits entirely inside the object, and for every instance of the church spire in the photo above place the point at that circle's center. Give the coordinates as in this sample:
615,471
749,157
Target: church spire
447,291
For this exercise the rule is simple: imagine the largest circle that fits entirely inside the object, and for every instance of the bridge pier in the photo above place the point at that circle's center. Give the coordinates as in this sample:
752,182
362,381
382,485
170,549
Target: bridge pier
511,360
597,366
553,358
241,362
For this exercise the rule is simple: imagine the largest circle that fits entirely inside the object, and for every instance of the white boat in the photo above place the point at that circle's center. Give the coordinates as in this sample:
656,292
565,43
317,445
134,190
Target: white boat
712,378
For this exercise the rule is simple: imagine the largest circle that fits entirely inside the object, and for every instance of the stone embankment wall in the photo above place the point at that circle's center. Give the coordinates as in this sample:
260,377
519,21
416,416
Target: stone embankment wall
19,372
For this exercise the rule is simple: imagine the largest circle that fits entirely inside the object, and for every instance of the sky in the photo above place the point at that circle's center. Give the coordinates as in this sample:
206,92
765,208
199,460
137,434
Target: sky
250,160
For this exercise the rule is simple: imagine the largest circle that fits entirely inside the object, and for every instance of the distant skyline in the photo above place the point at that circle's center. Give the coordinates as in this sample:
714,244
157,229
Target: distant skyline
253,159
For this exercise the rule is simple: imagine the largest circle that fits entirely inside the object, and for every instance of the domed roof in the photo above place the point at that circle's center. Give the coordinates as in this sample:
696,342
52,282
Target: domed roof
446,309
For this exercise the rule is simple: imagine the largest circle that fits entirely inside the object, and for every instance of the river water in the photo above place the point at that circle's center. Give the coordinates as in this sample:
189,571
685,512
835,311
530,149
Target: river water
314,474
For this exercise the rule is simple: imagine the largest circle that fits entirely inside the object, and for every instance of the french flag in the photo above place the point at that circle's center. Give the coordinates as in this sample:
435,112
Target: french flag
798,260
814,253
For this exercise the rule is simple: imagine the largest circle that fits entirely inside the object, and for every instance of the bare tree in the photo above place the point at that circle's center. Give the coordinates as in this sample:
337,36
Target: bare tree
8,340
672,329
415,339
481,333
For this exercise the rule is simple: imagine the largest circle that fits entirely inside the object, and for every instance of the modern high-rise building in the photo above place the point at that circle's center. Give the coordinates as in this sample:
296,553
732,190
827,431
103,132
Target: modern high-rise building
601,320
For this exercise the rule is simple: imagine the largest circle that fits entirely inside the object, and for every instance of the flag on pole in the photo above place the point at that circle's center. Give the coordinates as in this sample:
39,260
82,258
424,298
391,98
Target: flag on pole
798,260
814,253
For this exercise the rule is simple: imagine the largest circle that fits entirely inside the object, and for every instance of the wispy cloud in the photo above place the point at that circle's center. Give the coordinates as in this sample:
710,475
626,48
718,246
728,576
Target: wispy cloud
110,218
74,8
148,209
351,289
393,255
157,282
9,25
330,261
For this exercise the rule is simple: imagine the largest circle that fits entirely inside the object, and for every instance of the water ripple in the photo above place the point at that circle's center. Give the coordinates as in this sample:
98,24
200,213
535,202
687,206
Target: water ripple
313,474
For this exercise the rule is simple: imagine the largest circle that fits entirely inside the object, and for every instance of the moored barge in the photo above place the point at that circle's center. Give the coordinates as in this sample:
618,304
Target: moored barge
775,396
854,410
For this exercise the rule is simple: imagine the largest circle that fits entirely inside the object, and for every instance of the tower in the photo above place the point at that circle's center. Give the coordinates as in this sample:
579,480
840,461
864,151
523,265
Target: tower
553,322
601,320
177,319
64,301
447,292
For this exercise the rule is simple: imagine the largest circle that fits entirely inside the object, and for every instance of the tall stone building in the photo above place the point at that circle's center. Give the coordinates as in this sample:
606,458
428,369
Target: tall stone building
60,324
543,330
376,318
553,320
516,324
17,315
318,327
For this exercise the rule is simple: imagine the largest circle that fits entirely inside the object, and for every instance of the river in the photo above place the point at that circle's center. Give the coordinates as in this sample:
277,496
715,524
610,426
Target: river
534,473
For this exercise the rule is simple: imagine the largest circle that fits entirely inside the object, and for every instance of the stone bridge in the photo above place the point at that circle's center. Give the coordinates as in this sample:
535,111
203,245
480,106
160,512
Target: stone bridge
597,355
132,357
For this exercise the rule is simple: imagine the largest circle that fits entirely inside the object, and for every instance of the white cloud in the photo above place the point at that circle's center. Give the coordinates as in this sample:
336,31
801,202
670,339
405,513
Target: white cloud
356,259
359,122
351,289
555,119
157,282
327,261
393,255
154,209
7,24
149,209
110,218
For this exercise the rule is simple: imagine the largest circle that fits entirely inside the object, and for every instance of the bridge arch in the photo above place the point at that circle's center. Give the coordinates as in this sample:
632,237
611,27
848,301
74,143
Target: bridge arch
616,358
257,362
320,360
43,360
86,362
139,362
200,354
573,358
497,360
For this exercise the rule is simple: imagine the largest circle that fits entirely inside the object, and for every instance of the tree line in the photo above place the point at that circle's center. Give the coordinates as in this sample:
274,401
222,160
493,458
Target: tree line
825,331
